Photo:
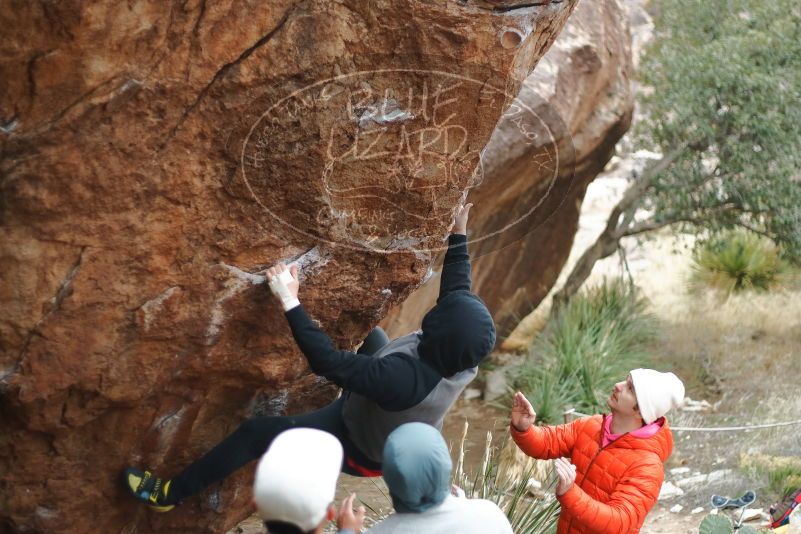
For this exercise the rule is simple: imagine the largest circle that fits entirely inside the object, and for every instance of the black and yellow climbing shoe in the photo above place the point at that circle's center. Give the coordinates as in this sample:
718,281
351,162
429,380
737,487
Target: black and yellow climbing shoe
149,489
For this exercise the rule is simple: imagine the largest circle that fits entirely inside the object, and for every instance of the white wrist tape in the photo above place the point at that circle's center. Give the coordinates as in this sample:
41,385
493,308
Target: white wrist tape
278,286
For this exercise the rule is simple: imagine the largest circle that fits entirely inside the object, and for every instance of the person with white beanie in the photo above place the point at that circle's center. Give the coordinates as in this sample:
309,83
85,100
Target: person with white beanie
610,467
295,483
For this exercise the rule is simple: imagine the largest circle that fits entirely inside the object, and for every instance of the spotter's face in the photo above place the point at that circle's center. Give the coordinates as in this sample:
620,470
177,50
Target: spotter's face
623,399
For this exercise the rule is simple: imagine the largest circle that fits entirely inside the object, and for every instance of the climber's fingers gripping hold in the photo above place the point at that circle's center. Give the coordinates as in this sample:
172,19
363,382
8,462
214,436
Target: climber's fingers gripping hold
284,284
288,274
460,221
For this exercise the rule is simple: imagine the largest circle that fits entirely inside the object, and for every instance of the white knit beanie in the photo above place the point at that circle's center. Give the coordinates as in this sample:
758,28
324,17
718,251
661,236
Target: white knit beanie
297,477
657,393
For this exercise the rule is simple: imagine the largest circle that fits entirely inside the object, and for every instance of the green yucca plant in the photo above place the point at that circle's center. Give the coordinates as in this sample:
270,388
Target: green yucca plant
738,260
526,514
588,346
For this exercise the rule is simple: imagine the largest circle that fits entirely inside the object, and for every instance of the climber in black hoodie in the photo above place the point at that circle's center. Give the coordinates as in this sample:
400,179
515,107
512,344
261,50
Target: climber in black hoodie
414,378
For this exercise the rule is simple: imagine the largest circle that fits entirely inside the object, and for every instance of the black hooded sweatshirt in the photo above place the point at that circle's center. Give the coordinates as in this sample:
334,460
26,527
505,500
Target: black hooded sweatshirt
457,333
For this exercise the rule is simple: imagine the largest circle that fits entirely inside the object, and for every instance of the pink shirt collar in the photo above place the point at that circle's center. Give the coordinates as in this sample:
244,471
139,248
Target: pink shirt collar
643,432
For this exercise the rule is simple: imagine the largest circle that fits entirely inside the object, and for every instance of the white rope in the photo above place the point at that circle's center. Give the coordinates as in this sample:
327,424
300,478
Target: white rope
731,428
711,429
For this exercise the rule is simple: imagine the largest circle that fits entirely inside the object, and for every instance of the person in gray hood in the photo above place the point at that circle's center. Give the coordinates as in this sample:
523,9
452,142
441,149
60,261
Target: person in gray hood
417,470
416,377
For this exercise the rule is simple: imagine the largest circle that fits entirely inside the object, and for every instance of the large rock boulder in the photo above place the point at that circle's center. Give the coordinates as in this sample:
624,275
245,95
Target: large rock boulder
552,141
156,158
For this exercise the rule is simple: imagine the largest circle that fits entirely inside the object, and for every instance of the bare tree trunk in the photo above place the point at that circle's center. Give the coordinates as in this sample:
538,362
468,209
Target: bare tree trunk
604,246
617,226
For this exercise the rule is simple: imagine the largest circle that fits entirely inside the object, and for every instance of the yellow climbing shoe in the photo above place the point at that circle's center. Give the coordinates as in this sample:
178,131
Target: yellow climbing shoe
149,489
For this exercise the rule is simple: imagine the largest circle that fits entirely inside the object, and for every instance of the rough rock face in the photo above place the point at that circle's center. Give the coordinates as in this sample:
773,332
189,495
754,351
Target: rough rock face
156,158
552,141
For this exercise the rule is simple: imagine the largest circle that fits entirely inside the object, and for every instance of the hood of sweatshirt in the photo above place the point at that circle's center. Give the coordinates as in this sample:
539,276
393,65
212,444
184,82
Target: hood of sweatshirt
417,467
457,333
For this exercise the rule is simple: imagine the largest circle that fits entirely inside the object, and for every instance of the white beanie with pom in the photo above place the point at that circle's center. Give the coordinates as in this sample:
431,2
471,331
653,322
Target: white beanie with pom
657,393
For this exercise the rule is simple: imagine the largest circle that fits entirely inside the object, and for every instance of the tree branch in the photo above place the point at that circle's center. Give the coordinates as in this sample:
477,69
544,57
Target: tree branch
637,189
755,230
650,226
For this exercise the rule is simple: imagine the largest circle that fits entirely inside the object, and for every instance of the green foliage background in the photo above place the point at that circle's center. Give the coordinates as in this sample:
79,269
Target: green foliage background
723,87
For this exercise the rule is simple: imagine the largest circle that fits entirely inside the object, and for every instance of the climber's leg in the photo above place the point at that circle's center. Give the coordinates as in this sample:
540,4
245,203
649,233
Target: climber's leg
246,443
374,341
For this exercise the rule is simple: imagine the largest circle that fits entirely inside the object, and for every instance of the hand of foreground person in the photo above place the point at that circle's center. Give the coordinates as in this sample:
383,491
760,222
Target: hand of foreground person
566,473
460,222
456,491
523,415
346,519
284,284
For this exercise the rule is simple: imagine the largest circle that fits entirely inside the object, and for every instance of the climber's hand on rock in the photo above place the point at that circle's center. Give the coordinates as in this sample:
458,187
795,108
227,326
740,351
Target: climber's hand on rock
347,519
460,222
523,415
284,284
290,278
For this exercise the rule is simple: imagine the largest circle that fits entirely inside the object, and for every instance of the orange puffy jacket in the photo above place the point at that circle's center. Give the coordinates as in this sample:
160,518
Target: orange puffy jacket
615,485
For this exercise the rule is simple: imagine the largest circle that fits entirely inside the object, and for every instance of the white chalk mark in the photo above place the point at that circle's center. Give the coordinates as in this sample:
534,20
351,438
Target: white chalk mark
277,405
7,372
273,405
404,243
384,112
167,425
63,290
215,501
233,286
9,127
153,306
310,261
133,82
239,280
46,514
244,276
386,293
428,276
168,421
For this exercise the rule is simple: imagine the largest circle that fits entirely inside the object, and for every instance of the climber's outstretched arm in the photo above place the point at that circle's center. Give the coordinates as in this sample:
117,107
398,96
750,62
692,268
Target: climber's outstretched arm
456,266
394,382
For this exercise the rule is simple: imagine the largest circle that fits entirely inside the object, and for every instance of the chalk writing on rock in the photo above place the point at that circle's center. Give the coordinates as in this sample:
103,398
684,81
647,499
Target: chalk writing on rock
394,152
